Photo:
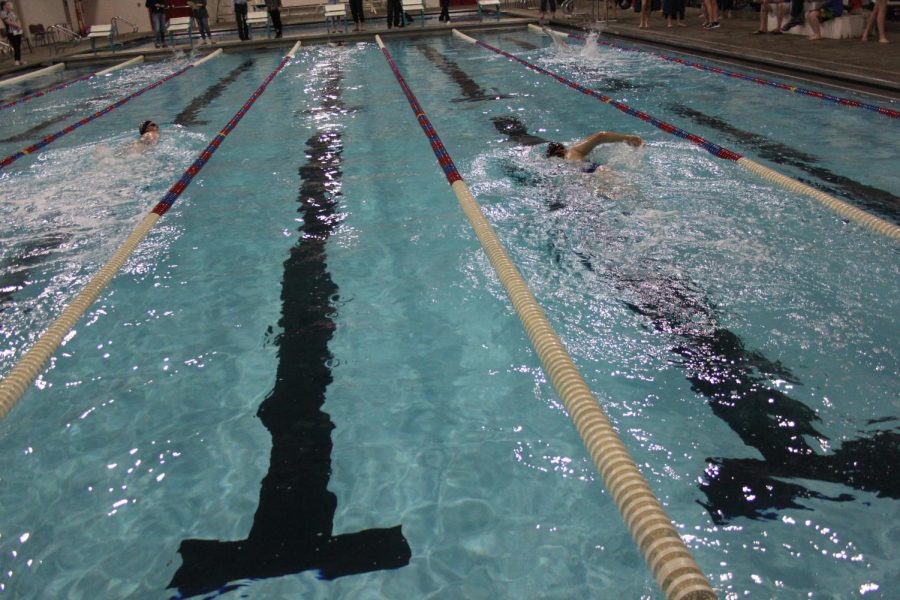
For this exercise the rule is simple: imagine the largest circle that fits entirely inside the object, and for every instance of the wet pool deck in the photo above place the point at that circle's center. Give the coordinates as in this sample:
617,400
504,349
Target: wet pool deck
868,66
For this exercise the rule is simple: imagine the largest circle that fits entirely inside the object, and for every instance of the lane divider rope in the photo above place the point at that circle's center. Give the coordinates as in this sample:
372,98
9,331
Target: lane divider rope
861,217
66,84
13,386
848,102
670,561
55,136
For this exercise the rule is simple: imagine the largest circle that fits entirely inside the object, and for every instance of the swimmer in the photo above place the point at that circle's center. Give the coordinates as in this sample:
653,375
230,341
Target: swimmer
612,184
149,132
578,152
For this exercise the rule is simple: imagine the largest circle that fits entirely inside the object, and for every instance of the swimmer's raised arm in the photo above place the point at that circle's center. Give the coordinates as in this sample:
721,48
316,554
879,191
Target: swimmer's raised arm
580,150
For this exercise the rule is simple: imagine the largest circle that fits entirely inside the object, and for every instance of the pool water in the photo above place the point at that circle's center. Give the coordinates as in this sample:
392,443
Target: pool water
307,382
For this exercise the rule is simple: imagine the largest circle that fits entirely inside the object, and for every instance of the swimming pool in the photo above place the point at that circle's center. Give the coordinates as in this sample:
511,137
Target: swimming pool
319,273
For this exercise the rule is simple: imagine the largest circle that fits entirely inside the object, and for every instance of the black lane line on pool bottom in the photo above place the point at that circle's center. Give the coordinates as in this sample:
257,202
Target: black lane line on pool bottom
188,116
472,92
520,43
735,383
865,196
31,133
16,274
292,529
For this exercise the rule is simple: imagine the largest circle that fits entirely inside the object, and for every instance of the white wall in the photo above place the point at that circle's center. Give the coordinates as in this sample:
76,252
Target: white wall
46,13
102,11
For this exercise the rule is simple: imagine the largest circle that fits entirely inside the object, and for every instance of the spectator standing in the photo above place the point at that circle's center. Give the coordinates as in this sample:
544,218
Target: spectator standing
673,10
13,30
274,8
646,5
445,11
543,16
712,14
877,16
725,7
201,15
394,13
240,19
158,20
359,16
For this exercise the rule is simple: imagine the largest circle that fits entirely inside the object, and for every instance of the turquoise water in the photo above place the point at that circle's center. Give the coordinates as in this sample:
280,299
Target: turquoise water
143,431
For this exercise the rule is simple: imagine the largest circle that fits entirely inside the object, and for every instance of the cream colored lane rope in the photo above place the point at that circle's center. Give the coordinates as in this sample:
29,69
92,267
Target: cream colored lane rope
122,65
13,386
670,561
842,208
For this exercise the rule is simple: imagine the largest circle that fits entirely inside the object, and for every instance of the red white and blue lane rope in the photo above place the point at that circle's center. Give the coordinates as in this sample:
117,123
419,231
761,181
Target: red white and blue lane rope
437,146
55,136
23,374
849,102
55,88
714,149
179,186
844,209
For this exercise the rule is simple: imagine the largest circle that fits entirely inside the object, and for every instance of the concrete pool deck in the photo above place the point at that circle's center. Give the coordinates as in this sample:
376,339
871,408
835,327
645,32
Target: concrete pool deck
867,66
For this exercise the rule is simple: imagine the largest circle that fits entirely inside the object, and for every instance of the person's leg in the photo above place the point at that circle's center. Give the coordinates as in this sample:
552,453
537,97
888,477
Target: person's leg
162,28
645,14
679,13
199,30
355,9
552,9
763,17
159,27
543,11
276,21
881,15
16,42
796,15
397,10
240,15
712,14
812,19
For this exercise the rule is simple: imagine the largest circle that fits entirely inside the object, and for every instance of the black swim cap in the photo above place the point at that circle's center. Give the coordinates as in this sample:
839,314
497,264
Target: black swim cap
143,128
556,149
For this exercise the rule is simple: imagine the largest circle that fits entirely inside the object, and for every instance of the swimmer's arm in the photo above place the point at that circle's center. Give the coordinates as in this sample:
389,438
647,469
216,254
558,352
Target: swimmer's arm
584,147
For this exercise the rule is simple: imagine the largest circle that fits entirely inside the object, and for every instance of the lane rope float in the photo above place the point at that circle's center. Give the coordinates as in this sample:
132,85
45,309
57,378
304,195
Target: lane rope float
55,136
669,559
848,102
846,210
13,386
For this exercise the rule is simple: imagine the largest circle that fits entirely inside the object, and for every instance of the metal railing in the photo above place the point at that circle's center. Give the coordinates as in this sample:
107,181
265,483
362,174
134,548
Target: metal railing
115,23
62,29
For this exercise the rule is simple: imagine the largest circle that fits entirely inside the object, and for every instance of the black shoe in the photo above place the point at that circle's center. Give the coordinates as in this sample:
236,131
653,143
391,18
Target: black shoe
790,25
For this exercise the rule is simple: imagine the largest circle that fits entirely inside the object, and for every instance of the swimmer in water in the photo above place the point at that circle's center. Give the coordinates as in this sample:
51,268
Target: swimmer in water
611,184
149,132
579,151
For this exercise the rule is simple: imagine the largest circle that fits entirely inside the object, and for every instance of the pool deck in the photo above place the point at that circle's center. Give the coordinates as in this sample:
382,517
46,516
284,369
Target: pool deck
866,66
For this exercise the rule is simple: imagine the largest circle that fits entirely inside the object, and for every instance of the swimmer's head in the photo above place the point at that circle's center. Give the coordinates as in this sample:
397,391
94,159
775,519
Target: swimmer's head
147,126
556,149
